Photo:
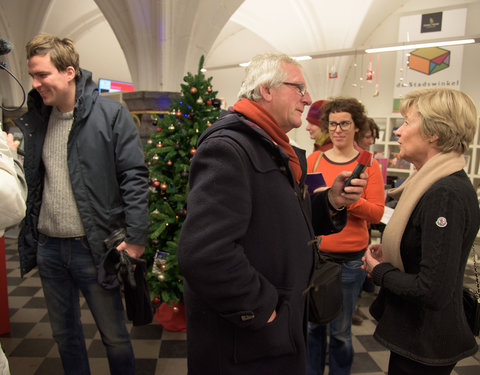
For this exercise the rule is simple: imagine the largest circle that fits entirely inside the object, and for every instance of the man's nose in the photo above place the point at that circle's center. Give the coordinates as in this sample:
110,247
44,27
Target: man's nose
307,99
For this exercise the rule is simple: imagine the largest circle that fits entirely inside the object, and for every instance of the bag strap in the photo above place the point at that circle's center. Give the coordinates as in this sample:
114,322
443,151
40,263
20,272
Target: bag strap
320,154
477,292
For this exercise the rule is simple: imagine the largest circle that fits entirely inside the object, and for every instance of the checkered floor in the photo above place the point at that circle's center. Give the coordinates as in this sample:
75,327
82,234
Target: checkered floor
31,350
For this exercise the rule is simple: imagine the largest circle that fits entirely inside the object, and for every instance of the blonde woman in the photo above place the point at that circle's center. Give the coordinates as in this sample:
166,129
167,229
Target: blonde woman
421,261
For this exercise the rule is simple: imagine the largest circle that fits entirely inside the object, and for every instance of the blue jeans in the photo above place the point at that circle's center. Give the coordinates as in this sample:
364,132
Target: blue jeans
340,350
66,267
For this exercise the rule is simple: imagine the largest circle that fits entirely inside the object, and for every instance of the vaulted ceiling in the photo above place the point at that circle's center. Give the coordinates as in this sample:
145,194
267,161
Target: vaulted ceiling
155,42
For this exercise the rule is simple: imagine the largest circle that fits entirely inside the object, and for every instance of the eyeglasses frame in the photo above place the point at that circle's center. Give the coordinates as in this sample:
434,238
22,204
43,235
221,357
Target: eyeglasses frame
344,125
300,86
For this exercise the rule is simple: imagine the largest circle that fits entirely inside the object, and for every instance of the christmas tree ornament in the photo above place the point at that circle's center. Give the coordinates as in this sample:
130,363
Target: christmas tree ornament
169,163
377,91
156,301
150,141
178,114
209,102
155,157
185,173
159,145
216,103
370,72
161,277
175,309
159,129
171,127
193,151
209,123
193,90
200,100
155,122
156,183
209,89
332,74
163,186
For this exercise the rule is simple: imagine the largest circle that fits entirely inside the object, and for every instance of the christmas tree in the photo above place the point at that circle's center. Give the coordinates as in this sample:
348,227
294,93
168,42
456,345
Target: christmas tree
168,153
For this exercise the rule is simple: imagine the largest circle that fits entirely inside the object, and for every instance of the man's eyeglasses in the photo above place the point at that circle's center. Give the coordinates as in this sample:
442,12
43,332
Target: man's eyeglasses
300,86
344,125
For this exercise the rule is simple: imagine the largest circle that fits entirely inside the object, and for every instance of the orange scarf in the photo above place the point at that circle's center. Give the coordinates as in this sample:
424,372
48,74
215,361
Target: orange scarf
257,114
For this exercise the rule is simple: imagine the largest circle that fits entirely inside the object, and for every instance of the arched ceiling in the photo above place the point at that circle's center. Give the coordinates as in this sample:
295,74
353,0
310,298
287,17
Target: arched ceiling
155,42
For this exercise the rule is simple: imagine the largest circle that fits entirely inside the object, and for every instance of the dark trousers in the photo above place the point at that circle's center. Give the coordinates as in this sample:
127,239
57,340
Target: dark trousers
400,365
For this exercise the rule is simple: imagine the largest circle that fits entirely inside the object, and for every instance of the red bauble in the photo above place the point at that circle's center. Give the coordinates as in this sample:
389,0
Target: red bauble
209,89
156,301
193,90
193,151
178,114
163,186
156,183
209,102
159,129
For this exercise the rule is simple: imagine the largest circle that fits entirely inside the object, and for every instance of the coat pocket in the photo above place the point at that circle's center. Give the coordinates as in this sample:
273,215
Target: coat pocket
273,340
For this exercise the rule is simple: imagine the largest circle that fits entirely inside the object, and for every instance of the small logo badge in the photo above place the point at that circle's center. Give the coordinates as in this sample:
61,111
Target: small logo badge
441,222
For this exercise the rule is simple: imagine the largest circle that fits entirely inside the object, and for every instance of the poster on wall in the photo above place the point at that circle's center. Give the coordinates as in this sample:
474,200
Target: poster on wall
432,66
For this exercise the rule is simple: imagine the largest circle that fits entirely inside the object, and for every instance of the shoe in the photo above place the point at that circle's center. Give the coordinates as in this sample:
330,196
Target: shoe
356,319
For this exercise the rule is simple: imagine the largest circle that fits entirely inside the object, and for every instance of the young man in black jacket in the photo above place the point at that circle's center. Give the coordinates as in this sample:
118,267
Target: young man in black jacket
86,177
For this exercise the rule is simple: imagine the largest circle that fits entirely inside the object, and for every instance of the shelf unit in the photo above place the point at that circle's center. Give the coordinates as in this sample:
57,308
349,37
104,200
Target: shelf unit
388,145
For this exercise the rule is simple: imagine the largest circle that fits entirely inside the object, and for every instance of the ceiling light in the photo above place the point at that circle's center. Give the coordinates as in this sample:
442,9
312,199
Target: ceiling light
419,45
302,58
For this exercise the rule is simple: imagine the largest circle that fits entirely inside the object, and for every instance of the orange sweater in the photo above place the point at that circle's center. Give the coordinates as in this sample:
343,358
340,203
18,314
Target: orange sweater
368,209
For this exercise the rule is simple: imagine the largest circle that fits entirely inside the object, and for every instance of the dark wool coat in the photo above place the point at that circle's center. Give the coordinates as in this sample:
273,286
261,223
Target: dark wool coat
106,166
420,312
245,251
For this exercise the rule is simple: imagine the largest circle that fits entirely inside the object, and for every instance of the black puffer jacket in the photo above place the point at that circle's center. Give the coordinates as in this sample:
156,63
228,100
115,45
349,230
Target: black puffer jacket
245,249
106,164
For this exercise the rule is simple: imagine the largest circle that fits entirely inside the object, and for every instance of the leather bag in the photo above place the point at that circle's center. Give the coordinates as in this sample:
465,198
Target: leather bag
325,291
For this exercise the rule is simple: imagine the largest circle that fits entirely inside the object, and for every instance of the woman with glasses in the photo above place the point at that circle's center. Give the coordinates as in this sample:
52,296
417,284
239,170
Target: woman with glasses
344,118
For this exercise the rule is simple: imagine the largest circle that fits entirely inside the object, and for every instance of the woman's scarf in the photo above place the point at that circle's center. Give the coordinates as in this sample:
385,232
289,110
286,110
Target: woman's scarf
258,115
410,192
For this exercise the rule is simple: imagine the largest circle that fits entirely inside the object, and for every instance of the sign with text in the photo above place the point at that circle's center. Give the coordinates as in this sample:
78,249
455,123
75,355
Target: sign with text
433,66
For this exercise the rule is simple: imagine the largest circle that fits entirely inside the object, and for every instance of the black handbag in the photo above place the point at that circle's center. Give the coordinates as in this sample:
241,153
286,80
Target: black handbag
471,302
325,298
325,291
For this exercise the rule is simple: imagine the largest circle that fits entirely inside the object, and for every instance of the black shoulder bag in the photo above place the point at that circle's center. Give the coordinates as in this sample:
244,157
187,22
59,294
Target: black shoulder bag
325,291
325,288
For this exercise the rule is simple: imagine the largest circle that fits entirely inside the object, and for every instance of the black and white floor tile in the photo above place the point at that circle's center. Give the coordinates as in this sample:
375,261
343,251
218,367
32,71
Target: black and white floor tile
31,350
